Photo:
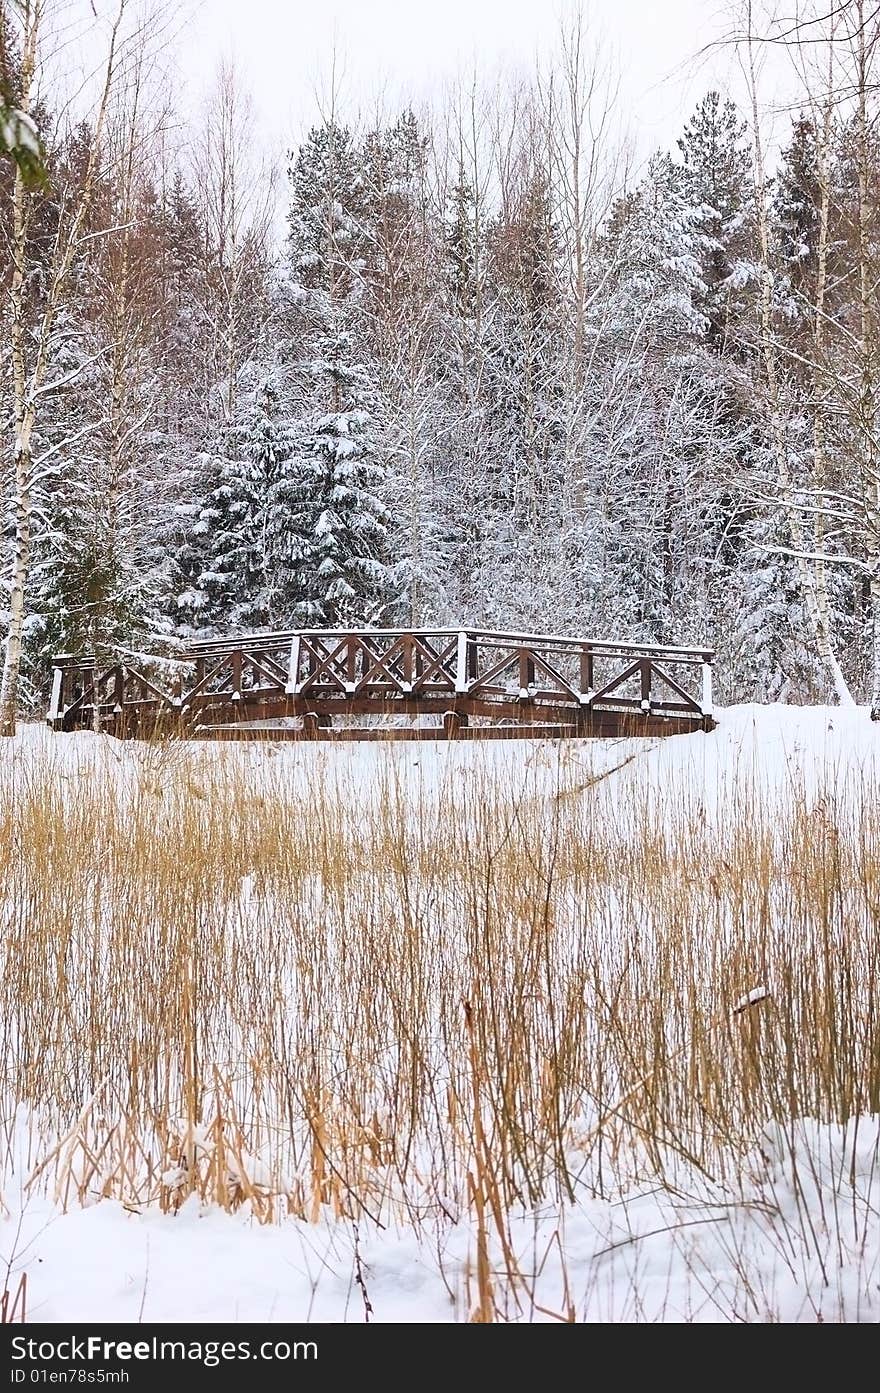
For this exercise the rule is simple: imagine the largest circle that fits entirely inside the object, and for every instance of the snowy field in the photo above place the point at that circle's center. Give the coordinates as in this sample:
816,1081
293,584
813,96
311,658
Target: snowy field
531,1031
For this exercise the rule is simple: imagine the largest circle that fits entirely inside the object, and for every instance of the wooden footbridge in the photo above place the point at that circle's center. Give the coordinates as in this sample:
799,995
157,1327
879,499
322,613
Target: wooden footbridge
426,684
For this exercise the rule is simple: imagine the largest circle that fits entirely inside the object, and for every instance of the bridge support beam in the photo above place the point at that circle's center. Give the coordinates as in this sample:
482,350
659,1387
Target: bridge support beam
314,722
452,724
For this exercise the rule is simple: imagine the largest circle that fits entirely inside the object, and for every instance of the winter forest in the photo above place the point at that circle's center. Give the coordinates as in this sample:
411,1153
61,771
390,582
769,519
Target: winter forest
470,364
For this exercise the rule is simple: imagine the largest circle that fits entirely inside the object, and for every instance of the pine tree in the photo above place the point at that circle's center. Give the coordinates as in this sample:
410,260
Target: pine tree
239,584
183,408
400,313
330,497
715,176
652,254
97,575
462,251
796,212
393,217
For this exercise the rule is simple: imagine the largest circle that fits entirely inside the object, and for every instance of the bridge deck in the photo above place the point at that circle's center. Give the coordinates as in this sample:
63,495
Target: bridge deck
389,684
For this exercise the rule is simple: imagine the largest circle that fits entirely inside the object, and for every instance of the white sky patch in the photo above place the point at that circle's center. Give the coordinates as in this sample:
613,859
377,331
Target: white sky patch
391,52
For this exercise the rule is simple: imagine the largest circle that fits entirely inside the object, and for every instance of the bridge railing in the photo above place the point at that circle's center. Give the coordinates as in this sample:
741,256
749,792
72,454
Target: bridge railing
479,674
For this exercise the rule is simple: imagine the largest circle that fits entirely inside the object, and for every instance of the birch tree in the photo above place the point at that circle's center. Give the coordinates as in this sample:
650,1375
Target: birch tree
864,47
835,53
235,197
30,347
587,157
812,585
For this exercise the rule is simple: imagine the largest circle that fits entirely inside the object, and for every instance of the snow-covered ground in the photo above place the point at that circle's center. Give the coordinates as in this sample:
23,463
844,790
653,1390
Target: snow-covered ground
791,1233
779,747
796,1238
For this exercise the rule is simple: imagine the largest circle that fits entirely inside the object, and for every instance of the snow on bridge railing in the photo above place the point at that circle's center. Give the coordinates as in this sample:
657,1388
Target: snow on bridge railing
476,673
278,637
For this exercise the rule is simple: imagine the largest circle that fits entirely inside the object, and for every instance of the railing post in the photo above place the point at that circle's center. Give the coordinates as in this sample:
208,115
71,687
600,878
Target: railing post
351,653
586,692
645,676
706,703
54,717
177,700
526,673
461,665
119,701
236,675
293,667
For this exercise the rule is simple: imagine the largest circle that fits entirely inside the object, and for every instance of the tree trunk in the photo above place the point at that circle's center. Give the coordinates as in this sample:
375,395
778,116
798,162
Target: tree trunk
814,596
875,642
867,411
22,410
820,571
18,578
30,348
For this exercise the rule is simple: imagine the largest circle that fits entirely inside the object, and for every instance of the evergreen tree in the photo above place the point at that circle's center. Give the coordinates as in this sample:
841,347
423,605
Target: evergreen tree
98,578
657,459
331,493
652,258
462,249
400,316
796,213
328,509
715,177
239,584
522,386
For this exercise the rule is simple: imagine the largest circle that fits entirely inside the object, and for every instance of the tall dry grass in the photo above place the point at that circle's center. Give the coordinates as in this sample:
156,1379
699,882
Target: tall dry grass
312,992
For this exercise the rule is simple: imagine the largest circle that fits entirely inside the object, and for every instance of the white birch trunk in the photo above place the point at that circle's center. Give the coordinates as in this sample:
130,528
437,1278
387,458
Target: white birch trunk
23,413
30,349
823,618
868,350
875,640
18,580
814,596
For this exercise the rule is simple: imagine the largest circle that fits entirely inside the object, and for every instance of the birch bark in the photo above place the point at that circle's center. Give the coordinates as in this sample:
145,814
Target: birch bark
30,352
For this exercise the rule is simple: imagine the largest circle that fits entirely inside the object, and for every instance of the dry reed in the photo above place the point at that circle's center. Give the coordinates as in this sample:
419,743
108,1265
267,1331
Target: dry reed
295,993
